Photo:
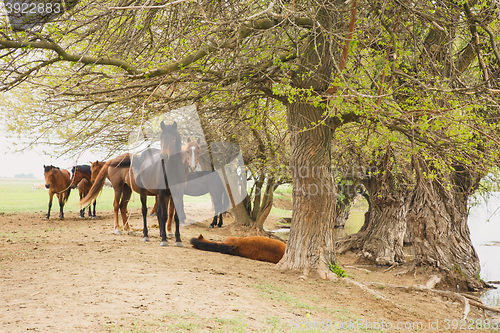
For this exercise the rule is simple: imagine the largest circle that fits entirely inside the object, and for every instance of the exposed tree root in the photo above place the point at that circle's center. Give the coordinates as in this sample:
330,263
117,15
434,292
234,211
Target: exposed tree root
368,290
465,299
360,269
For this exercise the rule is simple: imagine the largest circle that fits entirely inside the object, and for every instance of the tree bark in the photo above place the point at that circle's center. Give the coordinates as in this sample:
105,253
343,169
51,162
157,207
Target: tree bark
381,237
311,244
438,222
344,204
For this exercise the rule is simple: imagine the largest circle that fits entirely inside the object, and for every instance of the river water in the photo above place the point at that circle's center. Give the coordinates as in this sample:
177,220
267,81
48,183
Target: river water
484,225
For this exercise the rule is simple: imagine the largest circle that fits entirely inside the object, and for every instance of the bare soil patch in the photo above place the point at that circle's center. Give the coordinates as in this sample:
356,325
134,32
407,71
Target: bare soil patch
75,275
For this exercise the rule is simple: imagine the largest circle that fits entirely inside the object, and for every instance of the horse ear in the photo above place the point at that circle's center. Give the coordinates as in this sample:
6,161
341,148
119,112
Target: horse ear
174,125
188,140
162,125
199,140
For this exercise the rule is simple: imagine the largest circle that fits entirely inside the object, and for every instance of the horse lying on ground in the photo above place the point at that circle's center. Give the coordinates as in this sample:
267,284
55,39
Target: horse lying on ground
81,178
256,247
58,183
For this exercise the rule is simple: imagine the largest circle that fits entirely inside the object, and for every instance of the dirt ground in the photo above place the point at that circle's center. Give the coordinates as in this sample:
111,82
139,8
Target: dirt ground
75,275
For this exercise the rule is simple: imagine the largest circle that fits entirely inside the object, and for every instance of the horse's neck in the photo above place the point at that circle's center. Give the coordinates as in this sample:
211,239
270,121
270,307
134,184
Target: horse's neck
86,175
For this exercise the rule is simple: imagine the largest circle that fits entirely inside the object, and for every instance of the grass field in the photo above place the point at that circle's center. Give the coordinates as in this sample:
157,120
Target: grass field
19,196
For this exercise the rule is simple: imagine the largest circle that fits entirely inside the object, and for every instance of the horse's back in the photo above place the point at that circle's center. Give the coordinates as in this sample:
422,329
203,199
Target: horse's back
257,248
202,182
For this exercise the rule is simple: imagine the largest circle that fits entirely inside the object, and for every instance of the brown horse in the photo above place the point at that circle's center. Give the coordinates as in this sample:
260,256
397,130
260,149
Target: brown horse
190,155
81,178
163,172
256,247
118,172
58,183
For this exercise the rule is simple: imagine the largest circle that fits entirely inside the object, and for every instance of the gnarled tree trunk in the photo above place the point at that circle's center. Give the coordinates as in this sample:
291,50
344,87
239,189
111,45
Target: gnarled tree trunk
438,222
381,237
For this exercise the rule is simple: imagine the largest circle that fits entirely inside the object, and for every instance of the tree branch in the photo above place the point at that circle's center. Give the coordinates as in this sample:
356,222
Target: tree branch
63,55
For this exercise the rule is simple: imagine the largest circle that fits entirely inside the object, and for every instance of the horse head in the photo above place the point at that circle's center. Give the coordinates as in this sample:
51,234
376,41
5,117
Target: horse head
170,140
73,182
192,152
95,168
47,173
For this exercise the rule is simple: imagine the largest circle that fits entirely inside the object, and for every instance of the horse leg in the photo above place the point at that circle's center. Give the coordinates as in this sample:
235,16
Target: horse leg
171,211
178,241
93,215
60,197
179,215
155,207
220,220
144,200
127,193
116,206
82,211
161,214
51,195
214,221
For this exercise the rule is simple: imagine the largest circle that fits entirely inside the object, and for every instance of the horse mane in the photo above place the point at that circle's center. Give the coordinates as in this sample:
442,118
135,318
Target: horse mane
47,168
85,168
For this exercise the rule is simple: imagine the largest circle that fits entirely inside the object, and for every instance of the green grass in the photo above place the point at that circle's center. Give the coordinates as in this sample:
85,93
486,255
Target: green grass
18,196
276,293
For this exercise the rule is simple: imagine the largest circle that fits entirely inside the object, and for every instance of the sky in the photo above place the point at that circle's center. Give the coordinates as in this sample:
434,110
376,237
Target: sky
33,160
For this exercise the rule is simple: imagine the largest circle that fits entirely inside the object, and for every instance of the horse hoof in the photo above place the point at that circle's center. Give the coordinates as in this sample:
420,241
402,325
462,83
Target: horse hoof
145,239
131,233
118,232
170,235
163,243
210,226
179,244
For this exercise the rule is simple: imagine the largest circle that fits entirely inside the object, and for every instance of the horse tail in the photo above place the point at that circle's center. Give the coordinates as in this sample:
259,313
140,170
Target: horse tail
201,243
67,195
96,187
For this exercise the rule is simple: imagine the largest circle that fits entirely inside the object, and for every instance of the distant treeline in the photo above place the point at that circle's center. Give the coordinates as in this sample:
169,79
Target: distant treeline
24,176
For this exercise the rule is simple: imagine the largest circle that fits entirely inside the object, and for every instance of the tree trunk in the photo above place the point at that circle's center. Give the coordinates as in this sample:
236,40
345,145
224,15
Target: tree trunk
381,237
438,220
345,199
311,244
343,212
